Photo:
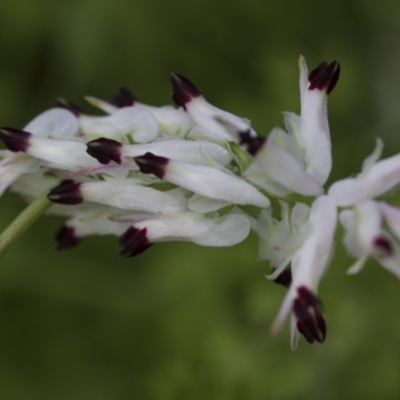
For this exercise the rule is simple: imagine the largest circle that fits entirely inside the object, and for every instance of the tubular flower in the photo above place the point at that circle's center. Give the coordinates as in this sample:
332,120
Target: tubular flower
301,160
196,172
308,263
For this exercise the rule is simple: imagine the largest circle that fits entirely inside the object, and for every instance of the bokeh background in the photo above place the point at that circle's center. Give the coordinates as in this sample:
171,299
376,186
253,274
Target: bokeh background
181,321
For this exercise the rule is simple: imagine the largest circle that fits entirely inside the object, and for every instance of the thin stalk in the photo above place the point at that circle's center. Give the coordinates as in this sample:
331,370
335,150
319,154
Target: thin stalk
24,220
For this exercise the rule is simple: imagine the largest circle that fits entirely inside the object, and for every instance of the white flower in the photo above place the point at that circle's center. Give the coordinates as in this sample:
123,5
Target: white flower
202,229
276,160
372,230
223,125
170,120
207,181
308,264
375,179
301,160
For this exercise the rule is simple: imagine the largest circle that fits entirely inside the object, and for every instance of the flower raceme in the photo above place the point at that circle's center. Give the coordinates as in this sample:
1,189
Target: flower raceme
154,174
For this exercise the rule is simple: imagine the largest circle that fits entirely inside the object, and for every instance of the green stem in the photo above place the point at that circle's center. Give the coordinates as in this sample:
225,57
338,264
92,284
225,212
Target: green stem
24,221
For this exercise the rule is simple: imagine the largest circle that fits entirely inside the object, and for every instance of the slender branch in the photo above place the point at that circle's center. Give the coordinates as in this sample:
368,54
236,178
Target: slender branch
24,220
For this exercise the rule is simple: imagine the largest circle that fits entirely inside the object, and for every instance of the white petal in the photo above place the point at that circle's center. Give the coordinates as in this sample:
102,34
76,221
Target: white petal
357,266
303,81
33,185
201,133
312,129
170,119
215,232
373,157
229,230
204,204
96,223
131,196
221,123
213,183
189,224
54,123
182,150
313,137
101,104
381,177
286,170
312,259
13,167
260,179
63,154
136,122
369,223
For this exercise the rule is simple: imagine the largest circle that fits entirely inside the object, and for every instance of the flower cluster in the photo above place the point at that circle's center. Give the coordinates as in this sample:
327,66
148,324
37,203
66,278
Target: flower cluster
151,174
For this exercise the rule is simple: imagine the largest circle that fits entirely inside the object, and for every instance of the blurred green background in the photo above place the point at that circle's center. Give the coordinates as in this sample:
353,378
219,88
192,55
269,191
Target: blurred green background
181,321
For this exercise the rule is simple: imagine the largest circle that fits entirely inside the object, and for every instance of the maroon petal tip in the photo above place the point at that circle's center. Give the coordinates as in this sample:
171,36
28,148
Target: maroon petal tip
66,238
77,111
308,310
252,143
285,277
15,139
133,242
124,98
183,90
324,77
151,164
383,246
105,150
67,192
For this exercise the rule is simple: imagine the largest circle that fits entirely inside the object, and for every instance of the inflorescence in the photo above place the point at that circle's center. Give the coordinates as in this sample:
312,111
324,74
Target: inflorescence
151,174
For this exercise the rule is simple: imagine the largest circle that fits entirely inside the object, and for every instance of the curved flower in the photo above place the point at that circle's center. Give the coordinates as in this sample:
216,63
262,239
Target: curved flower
202,229
301,161
223,125
204,180
375,179
372,230
308,264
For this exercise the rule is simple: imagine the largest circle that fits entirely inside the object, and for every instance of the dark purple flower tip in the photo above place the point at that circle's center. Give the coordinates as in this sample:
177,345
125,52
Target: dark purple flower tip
285,277
308,310
67,192
324,77
252,143
133,242
15,139
69,106
383,246
105,150
151,164
183,90
66,238
124,98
